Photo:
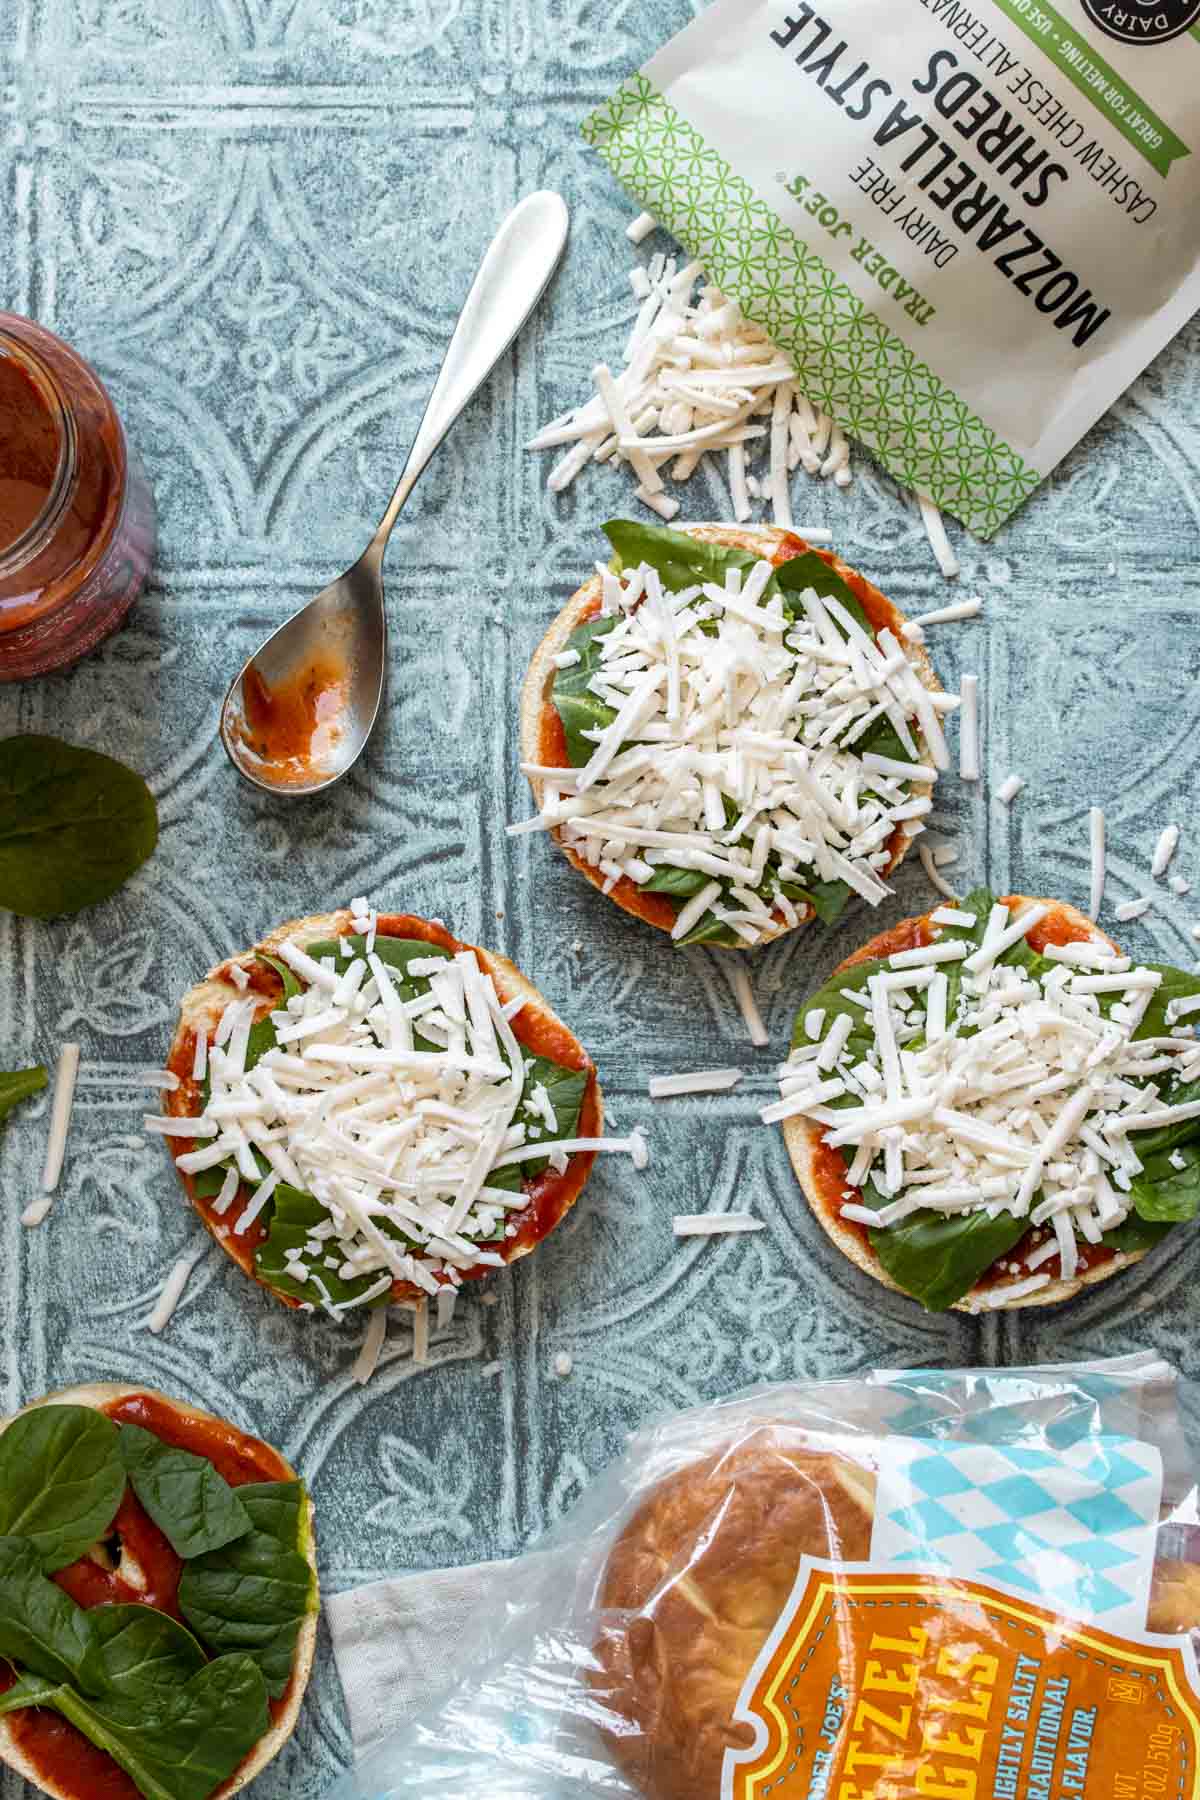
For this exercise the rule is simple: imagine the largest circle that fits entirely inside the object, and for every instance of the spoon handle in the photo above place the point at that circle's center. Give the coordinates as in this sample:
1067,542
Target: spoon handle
511,280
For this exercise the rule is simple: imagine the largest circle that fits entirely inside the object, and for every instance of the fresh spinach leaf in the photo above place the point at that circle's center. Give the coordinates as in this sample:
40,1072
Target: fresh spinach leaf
292,1218
1134,1233
938,1259
41,1627
577,707
187,1497
17,1085
29,1690
255,1594
291,986
1169,1137
1176,984
681,561
61,1481
681,884
1164,1193
709,930
828,899
74,825
832,999
140,1653
185,1744
565,1089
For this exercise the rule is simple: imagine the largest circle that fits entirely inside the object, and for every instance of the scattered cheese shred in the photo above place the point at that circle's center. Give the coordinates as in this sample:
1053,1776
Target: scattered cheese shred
60,1116
1096,835
935,528
1164,850
703,1081
968,742
748,1005
1133,909
944,615
1010,788
371,1348
929,864
641,227
420,1347
172,1293
714,1224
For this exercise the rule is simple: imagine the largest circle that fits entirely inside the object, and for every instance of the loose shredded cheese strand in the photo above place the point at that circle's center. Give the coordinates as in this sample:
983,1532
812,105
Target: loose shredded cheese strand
714,1224
703,1081
1010,788
60,1116
968,750
744,994
1096,834
935,529
367,1360
930,867
172,1292
1164,850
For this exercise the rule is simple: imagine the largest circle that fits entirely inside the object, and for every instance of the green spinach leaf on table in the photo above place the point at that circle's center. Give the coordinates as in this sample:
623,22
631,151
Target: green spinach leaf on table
17,1085
61,1481
187,1496
255,1594
74,826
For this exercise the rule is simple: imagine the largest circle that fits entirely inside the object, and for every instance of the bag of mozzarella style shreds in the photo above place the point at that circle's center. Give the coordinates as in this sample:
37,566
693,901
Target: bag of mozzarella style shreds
979,1584
970,223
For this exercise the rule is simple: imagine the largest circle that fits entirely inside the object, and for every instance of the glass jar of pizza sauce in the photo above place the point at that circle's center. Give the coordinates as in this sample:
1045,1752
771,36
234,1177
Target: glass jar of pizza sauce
76,514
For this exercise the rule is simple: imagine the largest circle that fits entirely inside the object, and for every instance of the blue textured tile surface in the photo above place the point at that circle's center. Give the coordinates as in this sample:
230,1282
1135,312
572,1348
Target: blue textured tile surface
258,217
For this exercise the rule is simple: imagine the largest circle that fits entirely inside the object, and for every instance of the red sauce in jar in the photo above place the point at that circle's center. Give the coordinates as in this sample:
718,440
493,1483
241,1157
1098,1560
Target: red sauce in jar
295,724
76,514
51,1744
30,450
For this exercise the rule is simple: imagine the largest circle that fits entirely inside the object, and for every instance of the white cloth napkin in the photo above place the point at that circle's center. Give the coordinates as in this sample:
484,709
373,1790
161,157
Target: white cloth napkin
399,1643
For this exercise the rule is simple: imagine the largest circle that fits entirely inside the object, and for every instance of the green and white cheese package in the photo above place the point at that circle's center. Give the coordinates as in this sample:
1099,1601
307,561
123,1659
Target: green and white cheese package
970,227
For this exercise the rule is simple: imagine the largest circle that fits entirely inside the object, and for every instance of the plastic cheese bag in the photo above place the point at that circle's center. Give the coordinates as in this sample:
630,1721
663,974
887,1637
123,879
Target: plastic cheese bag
943,1584
969,225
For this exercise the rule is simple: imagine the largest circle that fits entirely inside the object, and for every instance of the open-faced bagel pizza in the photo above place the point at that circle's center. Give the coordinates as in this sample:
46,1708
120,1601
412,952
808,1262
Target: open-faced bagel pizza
729,733
991,1106
159,1597
380,1110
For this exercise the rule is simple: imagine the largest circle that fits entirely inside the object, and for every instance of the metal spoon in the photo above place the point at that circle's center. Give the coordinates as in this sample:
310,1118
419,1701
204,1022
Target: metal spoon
337,644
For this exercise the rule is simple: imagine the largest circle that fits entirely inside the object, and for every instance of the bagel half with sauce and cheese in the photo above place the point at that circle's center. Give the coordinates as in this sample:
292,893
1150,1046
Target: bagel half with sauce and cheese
702,1572
747,736
159,1618
387,1110
986,1116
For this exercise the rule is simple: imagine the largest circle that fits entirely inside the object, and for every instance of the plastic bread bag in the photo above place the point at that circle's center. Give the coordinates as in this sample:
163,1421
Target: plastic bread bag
969,226
947,1584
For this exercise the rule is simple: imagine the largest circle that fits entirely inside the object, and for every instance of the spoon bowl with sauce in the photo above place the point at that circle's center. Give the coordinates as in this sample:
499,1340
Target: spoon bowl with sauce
298,714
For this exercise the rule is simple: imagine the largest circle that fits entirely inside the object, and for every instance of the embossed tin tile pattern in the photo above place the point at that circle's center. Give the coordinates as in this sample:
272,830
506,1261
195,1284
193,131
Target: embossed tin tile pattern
258,217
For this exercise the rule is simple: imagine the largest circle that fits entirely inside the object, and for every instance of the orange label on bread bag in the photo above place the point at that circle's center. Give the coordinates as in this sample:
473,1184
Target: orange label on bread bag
878,1685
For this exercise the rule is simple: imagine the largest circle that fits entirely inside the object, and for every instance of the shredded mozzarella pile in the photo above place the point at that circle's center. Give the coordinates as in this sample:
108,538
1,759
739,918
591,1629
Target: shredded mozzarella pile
732,749
389,1137
698,377
1030,1088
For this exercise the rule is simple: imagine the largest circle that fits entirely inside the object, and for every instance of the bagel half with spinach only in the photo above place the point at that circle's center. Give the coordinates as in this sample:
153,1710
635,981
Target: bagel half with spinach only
1048,1249
160,1597
559,707
306,1235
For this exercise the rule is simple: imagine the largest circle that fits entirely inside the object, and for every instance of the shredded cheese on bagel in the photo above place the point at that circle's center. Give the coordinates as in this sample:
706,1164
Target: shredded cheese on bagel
737,751
397,1097
1022,1089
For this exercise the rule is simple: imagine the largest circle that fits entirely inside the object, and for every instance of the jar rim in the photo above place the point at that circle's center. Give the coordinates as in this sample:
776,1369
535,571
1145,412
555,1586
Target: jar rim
38,533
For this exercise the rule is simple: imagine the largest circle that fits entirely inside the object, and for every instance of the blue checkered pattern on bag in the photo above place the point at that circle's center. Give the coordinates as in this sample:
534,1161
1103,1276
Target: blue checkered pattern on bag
1073,1525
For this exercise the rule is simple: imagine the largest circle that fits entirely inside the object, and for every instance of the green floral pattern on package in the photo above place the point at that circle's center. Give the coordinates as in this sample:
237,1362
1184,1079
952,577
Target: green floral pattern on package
848,361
